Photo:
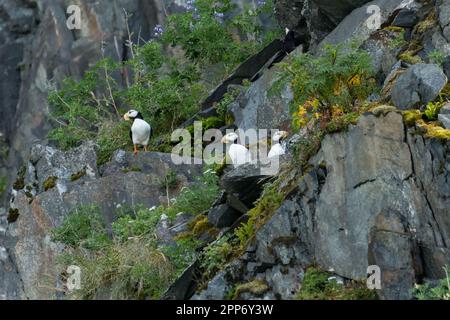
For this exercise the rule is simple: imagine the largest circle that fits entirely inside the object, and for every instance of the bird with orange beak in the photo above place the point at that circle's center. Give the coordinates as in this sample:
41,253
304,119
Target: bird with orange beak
279,148
140,130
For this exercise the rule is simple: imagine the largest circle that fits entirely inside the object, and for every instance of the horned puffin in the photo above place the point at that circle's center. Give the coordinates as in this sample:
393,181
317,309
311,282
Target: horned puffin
279,148
238,153
140,130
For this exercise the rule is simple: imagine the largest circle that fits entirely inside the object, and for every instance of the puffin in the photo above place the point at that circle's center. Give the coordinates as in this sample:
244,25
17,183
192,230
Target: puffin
279,148
238,153
140,130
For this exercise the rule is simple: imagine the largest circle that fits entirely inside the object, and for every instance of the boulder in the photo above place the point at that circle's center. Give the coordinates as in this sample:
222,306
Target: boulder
420,84
386,205
217,289
447,66
391,248
406,18
126,182
313,19
257,109
246,181
445,119
223,216
444,18
358,24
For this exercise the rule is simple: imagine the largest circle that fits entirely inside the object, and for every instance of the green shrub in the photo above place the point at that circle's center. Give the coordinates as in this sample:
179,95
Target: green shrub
340,78
316,286
207,38
437,57
166,90
432,111
215,256
441,291
83,228
127,270
410,117
132,265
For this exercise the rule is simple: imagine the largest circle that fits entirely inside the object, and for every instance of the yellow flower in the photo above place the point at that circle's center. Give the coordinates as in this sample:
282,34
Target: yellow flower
355,81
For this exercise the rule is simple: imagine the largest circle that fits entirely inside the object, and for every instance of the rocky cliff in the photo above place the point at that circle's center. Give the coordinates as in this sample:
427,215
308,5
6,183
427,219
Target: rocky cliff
377,193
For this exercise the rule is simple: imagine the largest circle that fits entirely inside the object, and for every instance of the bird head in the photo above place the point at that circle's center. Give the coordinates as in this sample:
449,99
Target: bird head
279,135
230,138
131,115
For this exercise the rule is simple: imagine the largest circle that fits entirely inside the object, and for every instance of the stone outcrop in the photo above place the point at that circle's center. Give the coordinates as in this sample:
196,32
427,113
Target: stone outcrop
386,205
56,183
420,84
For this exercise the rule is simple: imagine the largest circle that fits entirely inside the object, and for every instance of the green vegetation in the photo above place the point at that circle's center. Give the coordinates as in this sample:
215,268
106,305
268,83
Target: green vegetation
19,184
440,291
78,175
410,117
167,90
50,183
437,57
336,82
255,287
316,286
83,228
215,256
13,215
399,40
433,131
130,263
207,37
432,111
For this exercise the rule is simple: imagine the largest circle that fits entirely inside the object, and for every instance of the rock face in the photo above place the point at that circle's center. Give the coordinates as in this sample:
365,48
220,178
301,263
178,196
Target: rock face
386,205
38,50
444,116
258,109
421,83
314,19
55,183
360,23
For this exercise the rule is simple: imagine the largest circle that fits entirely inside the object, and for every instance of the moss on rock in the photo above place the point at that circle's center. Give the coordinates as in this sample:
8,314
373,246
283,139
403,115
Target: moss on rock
50,183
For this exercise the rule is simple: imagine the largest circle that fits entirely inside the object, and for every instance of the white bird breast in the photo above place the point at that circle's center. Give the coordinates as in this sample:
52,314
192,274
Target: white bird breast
239,154
276,150
140,132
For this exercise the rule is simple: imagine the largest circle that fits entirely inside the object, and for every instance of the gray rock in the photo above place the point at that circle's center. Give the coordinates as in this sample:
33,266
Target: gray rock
357,25
421,83
223,216
406,18
217,289
391,249
49,162
447,66
33,252
444,19
277,239
445,119
285,281
257,109
313,19
445,110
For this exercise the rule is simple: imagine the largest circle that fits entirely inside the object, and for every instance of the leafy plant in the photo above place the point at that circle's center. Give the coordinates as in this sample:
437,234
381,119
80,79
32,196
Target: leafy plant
83,228
441,291
132,265
317,285
432,110
207,32
166,90
341,77
437,57
216,255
